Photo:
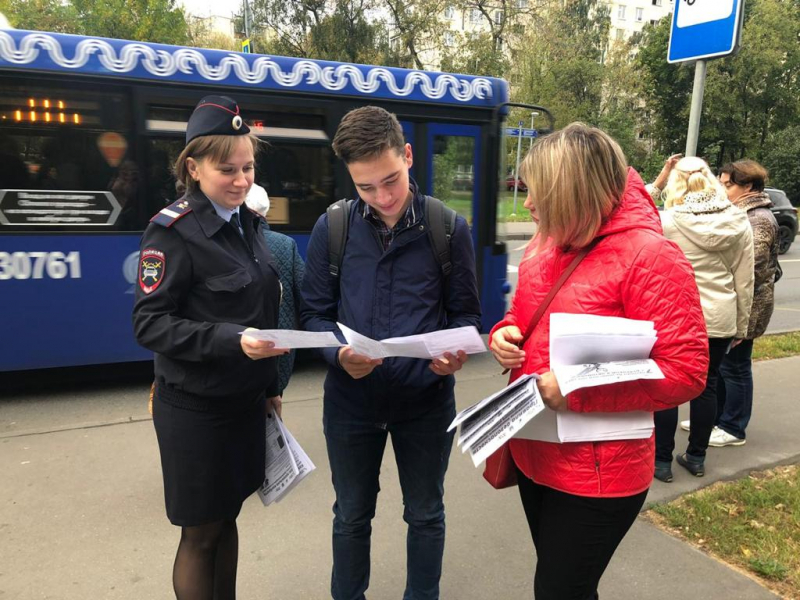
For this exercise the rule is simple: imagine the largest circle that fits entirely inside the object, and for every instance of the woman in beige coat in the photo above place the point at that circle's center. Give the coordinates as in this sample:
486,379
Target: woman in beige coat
717,239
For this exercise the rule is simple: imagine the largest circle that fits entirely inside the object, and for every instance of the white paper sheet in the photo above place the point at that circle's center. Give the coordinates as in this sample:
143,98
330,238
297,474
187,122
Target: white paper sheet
291,338
504,429
425,345
575,377
302,461
287,464
580,324
593,350
471,410
584,349
562,427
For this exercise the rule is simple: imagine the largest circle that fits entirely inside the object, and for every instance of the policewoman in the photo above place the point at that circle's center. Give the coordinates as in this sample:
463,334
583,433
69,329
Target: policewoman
206,276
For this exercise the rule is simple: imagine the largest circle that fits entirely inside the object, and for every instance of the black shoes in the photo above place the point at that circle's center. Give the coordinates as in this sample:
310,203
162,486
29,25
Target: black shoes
663,471
694,464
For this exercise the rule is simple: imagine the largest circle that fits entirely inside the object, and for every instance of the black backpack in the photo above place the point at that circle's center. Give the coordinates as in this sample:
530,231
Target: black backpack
441,222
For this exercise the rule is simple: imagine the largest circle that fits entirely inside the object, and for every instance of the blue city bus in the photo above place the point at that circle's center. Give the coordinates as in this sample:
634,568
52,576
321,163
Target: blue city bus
89,129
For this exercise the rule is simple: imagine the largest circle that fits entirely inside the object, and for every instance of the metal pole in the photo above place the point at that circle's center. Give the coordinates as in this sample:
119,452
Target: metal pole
246,21
697,108
516,170
534,114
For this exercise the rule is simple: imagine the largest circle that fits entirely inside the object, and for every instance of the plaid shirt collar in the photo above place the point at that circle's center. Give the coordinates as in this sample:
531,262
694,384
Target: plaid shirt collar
385,233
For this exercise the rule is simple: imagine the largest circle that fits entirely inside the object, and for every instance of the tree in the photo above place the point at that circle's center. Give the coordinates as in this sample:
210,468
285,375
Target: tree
748,96
559,63
341,30
141,20
418,28
782,159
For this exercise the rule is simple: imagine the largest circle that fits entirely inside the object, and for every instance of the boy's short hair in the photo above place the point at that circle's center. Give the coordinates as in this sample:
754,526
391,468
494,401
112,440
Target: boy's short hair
367,132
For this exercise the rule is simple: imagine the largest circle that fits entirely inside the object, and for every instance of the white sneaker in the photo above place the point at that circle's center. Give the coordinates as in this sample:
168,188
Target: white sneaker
721,438
685,425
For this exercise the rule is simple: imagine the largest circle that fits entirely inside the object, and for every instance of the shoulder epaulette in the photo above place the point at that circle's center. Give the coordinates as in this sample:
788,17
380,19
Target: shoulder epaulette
168,215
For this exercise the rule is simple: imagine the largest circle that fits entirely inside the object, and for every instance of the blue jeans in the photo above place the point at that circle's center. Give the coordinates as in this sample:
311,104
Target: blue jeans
702,411
422,451
735,390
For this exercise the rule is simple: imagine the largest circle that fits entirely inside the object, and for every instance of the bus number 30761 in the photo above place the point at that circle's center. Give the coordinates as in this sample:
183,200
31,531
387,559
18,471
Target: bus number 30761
38,265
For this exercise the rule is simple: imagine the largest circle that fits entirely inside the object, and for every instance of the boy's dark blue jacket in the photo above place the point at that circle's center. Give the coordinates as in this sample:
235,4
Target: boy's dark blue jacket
399,292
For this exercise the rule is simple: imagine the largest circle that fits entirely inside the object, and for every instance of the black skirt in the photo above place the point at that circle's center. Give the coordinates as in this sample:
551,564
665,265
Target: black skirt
212,455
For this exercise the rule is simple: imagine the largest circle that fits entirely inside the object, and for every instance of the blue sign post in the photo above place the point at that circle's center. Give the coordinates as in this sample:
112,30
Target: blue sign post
701,30
520,132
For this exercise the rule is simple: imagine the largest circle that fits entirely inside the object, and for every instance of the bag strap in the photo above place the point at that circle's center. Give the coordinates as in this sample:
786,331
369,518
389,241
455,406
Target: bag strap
441,221
338,222
554,290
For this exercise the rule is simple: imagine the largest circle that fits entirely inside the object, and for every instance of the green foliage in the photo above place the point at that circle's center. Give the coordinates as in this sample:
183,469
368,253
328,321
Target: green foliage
666,89
559,64
478,55
340,30
141,20
749,97
782,159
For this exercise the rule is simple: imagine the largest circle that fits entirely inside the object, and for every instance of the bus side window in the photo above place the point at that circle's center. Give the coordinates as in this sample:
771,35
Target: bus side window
65,159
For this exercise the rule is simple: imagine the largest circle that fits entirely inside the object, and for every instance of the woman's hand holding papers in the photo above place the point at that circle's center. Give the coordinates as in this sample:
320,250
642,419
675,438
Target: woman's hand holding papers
504,347
357,365
551,393
449,363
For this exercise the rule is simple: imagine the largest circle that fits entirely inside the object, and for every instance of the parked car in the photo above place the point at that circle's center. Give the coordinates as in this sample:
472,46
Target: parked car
462,182
520,184
786,215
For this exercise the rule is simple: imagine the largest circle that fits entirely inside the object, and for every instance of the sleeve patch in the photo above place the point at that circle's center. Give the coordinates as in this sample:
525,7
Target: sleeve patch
152,268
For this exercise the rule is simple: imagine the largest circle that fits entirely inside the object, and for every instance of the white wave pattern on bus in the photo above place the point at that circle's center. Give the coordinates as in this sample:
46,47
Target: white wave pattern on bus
163,63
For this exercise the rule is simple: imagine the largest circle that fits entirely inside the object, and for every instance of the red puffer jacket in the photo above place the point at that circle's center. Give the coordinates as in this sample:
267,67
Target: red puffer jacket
634,273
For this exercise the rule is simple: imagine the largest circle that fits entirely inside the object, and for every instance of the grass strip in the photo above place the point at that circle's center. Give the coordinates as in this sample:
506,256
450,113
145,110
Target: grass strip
779,345
753,523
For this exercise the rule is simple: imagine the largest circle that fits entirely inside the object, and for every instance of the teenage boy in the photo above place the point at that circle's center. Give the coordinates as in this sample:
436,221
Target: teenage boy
390,284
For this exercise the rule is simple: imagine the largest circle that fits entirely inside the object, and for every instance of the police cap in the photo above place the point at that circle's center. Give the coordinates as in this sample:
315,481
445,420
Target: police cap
215,115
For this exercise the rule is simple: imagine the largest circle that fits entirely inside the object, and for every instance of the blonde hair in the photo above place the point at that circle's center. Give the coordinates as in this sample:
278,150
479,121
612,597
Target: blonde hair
690,174
575,178
215,148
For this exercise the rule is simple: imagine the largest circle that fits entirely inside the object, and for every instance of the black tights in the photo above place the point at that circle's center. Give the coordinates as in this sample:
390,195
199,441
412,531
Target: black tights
205,566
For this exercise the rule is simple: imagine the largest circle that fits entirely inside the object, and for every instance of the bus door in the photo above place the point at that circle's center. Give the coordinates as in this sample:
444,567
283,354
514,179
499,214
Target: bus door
456,178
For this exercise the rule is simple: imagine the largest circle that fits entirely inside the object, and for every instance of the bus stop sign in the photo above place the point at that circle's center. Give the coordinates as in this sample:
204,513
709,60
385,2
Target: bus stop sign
704,29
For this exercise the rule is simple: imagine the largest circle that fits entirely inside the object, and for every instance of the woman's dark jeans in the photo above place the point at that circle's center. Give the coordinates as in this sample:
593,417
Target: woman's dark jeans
702,411
735,390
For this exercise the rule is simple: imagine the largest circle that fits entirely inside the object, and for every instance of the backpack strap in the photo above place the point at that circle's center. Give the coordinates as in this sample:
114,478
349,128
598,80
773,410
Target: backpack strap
441,221
338,223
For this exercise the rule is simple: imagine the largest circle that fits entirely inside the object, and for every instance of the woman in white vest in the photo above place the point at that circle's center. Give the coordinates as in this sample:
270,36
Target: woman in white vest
717,239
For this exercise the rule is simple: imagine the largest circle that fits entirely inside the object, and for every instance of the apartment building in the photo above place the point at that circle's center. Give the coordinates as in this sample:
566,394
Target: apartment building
630,16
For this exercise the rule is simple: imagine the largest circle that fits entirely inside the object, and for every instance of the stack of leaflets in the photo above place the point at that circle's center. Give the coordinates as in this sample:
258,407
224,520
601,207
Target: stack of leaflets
588,351
287,463
491,422
585,351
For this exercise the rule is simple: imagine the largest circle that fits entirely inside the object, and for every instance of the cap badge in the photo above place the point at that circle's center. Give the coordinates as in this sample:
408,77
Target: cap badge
236,122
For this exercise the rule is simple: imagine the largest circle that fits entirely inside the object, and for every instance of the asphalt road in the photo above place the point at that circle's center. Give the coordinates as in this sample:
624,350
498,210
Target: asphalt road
787,291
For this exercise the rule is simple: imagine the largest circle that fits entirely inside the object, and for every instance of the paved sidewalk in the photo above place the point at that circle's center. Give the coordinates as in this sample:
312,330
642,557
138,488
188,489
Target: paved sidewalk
81,511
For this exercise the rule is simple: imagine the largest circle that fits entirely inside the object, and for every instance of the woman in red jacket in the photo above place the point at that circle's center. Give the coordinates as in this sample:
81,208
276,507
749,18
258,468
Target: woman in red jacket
580,499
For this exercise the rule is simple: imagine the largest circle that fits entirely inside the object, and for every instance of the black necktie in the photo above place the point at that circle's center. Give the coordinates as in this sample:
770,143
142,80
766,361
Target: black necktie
237,223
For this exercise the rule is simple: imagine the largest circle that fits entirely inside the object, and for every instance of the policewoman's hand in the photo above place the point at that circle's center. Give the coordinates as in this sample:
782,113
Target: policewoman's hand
258,349
449,364
504,347
551,393
275,403
357,365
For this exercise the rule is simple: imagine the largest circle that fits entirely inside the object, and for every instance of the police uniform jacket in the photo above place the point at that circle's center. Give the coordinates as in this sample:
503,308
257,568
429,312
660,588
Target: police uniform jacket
200,284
